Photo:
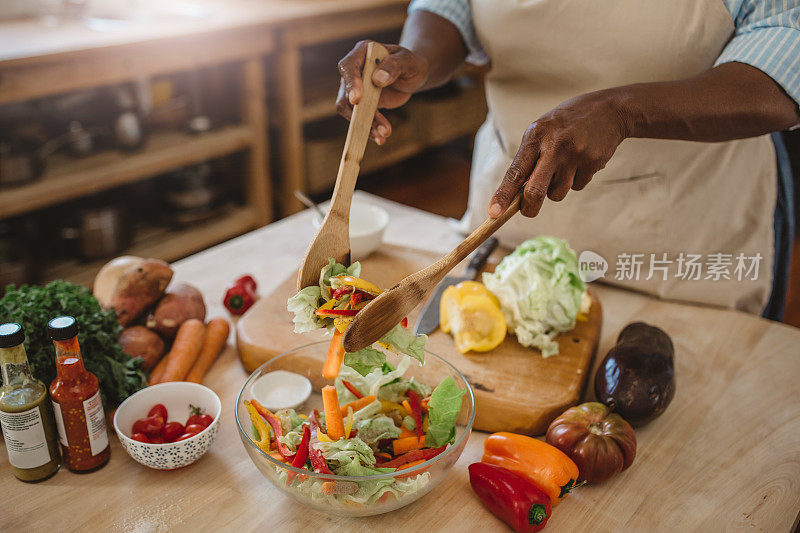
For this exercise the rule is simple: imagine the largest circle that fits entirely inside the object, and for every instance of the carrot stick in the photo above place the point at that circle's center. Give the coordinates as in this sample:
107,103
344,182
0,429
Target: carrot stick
404,433
158,371
410,465
355,405
214,340
185,350
333,413
335,357
407,444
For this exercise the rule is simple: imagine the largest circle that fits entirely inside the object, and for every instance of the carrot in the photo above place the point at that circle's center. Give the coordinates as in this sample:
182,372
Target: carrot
404,433
333,413
424,403
158,371
407,406
401,446
214,340
330,488
184,351
411,464
356,405
335,357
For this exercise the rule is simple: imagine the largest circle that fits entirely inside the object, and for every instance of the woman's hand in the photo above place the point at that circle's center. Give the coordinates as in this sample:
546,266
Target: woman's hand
400,74
562,150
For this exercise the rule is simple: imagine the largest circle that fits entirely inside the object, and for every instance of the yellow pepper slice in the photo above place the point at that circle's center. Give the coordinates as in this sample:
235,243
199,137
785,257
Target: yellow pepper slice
348,422
322,437
261,426
473,315
361,284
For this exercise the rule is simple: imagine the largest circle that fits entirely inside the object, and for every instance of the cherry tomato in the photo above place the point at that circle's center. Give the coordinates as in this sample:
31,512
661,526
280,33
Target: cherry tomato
159,410
151,425
172,430
157,439
193,428
186,436
141,437
202,419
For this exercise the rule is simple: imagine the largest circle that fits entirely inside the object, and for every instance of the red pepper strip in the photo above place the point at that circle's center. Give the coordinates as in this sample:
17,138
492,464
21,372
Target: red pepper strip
335,312
341,291
318,462
356,298
404,322
413,455
302,453
416,410
349,386
277,429
512,498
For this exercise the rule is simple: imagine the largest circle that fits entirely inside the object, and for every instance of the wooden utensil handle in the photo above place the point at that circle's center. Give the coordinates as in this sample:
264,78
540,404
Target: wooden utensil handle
358,132
474,239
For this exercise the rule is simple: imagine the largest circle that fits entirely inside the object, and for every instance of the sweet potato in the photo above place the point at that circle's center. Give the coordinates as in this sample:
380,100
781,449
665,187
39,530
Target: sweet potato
138,341
139,287
181,303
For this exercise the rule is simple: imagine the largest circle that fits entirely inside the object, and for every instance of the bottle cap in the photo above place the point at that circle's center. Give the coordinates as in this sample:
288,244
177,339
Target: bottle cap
62,328
11,334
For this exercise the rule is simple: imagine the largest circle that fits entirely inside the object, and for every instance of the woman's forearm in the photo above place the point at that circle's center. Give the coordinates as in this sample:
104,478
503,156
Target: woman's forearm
731,101
438,41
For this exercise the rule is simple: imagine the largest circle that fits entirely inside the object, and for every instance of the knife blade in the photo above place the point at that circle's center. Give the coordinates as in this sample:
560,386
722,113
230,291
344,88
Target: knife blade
428,319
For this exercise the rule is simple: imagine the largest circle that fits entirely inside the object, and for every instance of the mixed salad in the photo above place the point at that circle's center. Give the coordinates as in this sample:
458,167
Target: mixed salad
374,420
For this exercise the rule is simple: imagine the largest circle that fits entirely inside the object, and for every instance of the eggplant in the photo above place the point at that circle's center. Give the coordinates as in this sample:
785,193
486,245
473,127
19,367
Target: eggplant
637,377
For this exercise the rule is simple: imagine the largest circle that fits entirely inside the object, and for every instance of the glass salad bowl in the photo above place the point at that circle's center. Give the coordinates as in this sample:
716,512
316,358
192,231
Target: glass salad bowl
354,495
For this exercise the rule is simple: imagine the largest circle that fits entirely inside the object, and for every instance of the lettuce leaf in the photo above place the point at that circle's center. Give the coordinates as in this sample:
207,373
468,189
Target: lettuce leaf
341,453
303,304
540,291
376,428
401,340
331,270
365,361
443,407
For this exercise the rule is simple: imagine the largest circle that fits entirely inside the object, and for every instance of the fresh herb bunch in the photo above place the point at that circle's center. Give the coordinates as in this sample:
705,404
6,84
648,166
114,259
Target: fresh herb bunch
33,306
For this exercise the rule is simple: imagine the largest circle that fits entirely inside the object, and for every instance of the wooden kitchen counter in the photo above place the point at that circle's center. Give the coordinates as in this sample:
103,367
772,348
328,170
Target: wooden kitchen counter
725,455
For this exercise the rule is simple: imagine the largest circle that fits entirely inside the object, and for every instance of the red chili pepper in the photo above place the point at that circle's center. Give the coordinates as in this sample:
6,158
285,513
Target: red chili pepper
512,498
240,296
416,410
318,462
349,386
335,312
277,429
412,456
301,456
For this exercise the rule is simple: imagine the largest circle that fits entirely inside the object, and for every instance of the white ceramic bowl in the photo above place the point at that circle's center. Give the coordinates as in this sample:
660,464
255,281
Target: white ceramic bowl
367,224
176,397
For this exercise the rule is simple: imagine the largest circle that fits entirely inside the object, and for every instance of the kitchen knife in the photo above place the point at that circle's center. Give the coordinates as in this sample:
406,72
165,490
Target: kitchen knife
428,319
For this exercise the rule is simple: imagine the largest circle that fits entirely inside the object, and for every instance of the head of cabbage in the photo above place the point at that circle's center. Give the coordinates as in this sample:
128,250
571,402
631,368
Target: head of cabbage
540,291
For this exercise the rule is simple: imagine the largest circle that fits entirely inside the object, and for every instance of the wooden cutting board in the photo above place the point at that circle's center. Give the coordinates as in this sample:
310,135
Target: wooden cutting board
515,388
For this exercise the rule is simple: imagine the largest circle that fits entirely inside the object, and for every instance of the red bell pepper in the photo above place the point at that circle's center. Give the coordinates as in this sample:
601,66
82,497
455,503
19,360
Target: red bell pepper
335,312
277,429
301,456
341,291
318,462
404,322
413,456
240,296
510,497
349,386
416,410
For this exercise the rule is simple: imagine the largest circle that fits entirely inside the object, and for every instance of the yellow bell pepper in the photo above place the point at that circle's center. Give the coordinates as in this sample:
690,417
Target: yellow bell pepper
261,427
473,315
358,283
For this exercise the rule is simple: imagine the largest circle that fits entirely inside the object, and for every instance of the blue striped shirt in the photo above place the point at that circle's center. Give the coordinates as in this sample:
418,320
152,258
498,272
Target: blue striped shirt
767,35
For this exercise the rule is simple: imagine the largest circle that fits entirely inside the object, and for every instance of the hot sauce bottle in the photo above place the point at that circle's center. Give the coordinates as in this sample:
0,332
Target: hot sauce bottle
78,408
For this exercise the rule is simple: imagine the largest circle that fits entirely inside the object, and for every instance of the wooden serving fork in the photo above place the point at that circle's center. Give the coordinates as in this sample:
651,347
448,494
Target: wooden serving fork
387,310
333,237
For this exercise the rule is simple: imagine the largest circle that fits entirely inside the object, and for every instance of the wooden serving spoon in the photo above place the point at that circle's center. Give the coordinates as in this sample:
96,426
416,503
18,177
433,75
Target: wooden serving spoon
333,237
387,310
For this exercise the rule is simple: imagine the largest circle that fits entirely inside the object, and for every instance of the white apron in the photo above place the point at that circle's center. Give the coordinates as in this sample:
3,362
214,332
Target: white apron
654,196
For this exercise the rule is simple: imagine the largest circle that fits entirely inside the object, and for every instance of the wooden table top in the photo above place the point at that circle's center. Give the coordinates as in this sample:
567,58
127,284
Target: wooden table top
724,456
29,39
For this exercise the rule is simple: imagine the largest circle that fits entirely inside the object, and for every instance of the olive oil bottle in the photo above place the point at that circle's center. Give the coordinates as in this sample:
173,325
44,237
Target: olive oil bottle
25,412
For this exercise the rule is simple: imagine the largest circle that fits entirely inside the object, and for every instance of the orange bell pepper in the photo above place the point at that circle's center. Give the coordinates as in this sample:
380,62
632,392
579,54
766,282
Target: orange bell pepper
544,465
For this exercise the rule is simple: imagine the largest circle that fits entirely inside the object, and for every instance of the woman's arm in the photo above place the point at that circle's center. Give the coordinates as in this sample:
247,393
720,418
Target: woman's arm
565,147
430,51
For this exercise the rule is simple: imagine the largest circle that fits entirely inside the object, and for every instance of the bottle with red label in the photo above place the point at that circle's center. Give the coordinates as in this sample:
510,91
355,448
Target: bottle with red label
77,406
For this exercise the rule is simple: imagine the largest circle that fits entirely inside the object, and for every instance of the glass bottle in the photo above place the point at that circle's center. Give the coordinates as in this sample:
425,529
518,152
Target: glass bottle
78,408
25,412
